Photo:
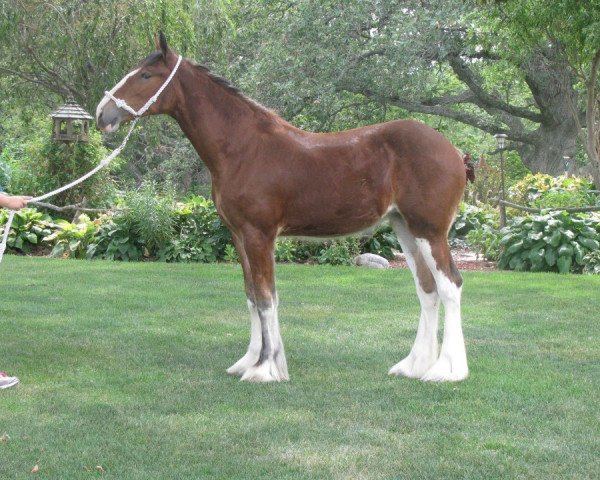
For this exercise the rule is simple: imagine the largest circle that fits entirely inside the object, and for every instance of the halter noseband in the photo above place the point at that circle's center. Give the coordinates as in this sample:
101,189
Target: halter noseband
123,104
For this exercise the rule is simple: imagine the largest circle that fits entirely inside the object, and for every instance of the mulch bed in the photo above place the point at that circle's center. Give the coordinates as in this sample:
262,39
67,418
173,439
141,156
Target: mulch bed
462,259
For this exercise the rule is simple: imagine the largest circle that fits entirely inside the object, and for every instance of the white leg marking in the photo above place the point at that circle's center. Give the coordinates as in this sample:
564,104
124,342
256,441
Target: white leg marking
424,351
251,356
273,366
452,363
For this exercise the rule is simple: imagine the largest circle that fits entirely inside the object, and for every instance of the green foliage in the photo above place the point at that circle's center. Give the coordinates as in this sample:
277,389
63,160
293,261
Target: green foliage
486,242
383,242
115,241
150,214
28,229
487,183
36,165
554,242
200,237
592,262
71,240
545,191
230,254
471,217
285,250
340,252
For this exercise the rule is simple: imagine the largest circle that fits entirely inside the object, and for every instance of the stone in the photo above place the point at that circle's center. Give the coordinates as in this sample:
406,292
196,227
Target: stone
371,260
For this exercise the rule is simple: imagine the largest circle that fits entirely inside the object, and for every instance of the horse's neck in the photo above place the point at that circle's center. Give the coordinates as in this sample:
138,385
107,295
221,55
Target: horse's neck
220,124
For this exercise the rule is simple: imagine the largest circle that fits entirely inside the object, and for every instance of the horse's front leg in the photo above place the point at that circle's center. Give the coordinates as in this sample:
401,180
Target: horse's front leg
271,364
251,356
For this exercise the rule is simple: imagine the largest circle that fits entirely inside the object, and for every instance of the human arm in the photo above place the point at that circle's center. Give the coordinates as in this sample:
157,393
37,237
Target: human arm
14,202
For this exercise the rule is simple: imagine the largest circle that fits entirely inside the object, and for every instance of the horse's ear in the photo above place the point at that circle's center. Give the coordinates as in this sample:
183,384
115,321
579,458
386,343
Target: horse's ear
162,44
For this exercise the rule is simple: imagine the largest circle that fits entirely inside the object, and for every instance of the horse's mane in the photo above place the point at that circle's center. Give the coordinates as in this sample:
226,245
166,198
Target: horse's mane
217,79
231,88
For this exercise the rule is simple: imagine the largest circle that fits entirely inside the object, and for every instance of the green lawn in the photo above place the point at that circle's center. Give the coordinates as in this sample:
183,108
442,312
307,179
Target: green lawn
122,366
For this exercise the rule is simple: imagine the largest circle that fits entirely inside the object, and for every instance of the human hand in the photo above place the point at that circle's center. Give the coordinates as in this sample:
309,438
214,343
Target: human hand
15,202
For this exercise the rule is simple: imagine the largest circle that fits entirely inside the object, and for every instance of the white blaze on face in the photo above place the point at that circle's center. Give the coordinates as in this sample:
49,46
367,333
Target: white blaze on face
107,99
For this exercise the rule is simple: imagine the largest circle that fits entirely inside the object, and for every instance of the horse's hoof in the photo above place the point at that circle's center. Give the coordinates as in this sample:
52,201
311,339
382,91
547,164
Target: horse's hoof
243,364
445,370
413,366
263,373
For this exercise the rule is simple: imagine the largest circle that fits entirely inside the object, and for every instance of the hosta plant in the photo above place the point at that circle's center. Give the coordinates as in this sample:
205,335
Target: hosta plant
471,217
592,262
28,229
71,240
553,242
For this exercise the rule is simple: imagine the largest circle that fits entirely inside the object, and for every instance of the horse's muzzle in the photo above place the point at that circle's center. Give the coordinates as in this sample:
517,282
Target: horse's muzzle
108,116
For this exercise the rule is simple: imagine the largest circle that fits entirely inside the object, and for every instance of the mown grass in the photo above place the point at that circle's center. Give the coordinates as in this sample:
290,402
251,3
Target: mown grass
122,367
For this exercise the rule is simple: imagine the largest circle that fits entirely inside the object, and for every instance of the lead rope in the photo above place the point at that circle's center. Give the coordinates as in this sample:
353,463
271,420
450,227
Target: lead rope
120,104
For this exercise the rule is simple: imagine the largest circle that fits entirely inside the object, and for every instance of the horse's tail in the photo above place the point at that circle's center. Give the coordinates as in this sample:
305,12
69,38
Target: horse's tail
469,168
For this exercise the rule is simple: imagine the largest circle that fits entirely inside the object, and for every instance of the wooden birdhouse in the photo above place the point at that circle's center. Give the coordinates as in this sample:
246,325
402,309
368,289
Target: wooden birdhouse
71,123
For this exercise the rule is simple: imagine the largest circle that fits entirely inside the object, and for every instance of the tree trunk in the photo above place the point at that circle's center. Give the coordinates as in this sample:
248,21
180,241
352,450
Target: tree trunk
550,144
592,144
551,81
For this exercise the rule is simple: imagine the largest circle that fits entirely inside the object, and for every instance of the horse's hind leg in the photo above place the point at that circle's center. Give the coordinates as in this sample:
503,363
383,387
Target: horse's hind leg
424,352
452,362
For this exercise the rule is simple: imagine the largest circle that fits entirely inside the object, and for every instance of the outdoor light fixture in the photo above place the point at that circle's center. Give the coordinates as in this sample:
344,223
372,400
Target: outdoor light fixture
501,139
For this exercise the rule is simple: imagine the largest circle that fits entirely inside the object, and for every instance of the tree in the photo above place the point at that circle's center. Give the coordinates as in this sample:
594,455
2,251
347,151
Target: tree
428,56
574,29
79,48
50,49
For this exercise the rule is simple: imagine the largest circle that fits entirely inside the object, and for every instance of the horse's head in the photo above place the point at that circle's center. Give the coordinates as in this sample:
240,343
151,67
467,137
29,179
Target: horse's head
137,87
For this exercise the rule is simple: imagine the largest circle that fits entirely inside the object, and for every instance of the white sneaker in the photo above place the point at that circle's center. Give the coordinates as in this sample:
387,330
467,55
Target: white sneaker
6,381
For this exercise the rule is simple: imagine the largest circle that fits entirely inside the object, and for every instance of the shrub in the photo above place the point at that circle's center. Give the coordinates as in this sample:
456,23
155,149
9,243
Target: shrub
71,240
383,242
28,229
231,254
554,242
486,242
114,240
285,250
150,215
38,164
200,234
340,252
544,191
471,217
592,262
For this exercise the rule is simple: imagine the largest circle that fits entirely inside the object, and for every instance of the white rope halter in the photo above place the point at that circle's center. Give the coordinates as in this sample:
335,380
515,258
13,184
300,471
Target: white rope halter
123,104
120,104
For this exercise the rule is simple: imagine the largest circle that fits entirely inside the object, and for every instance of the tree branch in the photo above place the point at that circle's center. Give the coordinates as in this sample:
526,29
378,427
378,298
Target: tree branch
68,208
442,110
484,99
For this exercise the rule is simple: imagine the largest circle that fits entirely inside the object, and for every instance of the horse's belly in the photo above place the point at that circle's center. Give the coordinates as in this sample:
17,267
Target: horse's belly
328,217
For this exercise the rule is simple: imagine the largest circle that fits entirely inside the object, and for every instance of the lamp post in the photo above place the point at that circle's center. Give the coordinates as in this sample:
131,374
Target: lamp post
501,139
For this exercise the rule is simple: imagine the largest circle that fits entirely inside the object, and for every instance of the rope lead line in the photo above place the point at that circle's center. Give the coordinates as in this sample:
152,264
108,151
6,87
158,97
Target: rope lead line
121,104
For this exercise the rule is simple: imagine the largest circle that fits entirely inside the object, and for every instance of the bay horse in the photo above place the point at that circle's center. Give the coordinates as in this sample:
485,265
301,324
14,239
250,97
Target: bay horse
270,178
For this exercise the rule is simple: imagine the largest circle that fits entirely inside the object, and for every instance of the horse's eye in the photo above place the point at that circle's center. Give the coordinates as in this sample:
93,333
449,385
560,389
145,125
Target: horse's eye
146,75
